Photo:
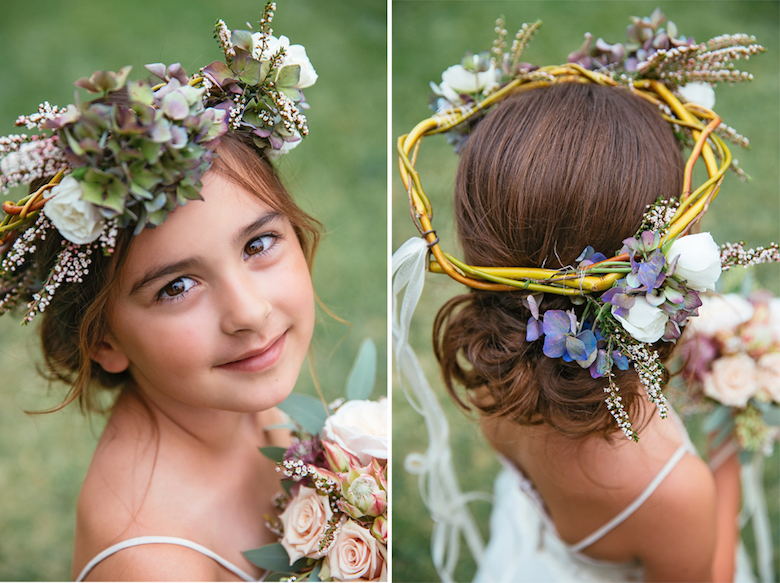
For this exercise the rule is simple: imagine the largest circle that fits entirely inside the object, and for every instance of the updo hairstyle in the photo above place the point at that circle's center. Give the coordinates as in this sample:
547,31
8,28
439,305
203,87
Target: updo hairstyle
76,322
547,173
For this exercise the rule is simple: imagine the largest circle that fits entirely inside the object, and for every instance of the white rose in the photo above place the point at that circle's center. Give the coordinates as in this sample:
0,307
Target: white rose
698,93
699,260
77,220
721,313
305,520
465,81
444,90
293,55
732,380
769,375
360,428
644,322
355,556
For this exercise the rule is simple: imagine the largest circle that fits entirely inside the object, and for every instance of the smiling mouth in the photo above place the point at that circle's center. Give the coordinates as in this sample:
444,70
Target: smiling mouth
257,360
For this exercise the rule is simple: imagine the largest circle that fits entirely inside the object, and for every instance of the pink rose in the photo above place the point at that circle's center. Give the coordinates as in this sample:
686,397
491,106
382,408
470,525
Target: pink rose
769,376
732,381
356,555
305,520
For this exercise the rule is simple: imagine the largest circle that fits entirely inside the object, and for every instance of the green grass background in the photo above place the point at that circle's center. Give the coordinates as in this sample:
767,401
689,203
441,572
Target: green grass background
338,174
430,36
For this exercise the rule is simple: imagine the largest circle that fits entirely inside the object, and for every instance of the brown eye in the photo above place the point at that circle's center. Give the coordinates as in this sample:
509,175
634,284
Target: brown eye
176,288
259,245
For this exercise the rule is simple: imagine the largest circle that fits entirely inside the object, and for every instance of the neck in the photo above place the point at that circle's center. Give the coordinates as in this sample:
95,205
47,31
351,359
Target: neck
213,430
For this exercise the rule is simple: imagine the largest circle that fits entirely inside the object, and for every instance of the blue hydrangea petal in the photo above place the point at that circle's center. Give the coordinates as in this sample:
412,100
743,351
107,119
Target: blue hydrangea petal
554,346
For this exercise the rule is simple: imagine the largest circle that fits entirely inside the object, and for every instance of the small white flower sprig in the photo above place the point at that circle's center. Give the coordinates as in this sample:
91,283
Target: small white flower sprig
260,84
118,166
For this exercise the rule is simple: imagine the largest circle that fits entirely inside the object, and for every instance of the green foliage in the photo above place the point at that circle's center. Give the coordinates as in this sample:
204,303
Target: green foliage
360,383
308,412
273,558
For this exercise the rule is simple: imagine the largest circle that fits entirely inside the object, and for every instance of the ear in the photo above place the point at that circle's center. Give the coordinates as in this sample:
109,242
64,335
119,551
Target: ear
110,356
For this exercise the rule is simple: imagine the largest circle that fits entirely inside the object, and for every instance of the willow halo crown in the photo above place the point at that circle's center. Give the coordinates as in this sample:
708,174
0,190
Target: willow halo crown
647,291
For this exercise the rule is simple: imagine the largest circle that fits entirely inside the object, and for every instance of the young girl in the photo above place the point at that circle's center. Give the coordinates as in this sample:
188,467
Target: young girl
203,322
549,172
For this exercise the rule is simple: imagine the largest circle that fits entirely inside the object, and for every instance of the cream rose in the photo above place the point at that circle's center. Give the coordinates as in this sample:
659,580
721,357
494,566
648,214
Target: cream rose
461,79
355,556
305,520
360,428
698,260
721,313
644,322
76,219
732,381
769,376
293,55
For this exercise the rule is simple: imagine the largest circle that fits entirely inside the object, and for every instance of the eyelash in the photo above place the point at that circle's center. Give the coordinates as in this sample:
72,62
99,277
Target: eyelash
266,248
164,296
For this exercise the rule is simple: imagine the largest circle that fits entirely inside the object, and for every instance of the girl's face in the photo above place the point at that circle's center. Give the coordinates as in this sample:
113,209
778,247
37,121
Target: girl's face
215,307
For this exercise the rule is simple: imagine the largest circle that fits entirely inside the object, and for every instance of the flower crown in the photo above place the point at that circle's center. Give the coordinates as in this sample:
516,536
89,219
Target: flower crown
116,166
650,288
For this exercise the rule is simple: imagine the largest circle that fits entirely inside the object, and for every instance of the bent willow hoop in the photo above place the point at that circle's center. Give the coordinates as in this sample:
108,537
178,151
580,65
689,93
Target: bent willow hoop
596,277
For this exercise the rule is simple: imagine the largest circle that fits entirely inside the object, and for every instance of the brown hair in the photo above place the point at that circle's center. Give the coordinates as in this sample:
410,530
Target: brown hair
75,323
547,173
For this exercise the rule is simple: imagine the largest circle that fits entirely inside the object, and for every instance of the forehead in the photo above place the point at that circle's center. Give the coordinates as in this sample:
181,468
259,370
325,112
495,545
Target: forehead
199,228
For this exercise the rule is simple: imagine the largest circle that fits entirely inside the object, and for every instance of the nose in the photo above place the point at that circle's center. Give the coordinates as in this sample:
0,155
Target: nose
244,303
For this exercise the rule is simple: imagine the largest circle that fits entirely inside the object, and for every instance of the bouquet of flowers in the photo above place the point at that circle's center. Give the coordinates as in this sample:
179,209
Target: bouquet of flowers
732,363
332,523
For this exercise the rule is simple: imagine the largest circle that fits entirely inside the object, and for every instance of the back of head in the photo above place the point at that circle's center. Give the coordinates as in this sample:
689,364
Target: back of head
549,172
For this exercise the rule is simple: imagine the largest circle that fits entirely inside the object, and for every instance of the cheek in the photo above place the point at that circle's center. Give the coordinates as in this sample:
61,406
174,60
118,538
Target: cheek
160,345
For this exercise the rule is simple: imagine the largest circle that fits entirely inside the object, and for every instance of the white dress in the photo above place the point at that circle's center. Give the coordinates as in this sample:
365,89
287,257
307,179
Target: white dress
525,546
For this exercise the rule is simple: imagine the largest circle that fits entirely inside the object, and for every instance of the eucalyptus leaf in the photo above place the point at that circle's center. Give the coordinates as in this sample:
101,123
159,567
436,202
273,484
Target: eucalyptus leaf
273,558
722,434
360,382
288,426
746,457
273,453
314,576
771,415
717,418
306,411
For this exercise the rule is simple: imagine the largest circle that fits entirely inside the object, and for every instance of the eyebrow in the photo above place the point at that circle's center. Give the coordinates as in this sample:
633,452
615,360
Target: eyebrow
250,229
165,270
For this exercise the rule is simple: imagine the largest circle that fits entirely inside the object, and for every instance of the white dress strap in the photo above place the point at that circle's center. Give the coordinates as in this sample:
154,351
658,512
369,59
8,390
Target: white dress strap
167,540
631,508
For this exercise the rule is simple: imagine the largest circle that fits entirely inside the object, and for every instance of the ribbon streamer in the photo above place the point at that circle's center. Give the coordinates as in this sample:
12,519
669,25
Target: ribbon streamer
438,483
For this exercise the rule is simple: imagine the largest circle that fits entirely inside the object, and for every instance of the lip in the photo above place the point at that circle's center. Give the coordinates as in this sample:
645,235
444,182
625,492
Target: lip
259,359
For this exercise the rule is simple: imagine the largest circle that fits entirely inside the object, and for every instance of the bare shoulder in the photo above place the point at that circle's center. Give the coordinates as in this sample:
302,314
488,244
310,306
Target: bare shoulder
157,562
680,520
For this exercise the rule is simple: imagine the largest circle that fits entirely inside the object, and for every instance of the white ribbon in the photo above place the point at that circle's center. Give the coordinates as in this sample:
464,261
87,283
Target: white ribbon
754,509
438,483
